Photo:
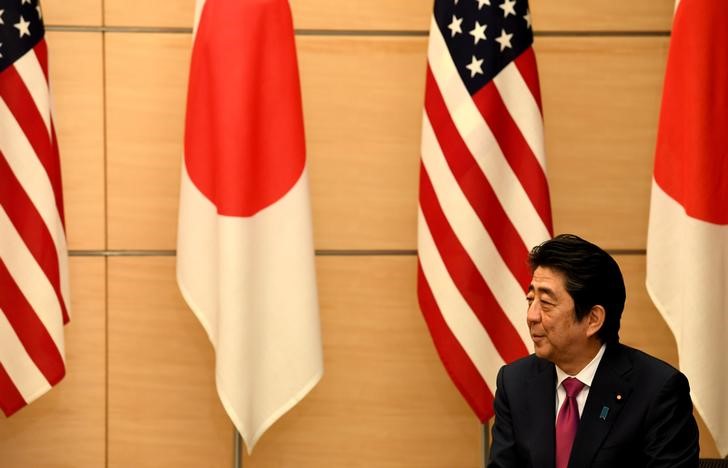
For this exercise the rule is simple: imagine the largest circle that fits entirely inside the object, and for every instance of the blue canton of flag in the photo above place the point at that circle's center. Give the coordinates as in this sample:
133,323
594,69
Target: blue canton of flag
483,36
20,30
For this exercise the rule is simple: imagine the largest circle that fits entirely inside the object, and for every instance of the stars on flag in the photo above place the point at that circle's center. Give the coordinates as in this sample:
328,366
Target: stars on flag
23,27
478,32
455,25
481,56
504,40
475,66
20,29
508,7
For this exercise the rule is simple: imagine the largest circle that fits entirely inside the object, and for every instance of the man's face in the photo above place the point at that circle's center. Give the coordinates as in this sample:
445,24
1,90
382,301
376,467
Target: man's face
556,334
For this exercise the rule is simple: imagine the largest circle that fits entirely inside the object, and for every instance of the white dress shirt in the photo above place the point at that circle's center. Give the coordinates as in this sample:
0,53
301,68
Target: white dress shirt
586,376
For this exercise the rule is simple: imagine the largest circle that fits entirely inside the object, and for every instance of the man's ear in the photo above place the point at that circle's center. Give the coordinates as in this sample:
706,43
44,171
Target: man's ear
595,320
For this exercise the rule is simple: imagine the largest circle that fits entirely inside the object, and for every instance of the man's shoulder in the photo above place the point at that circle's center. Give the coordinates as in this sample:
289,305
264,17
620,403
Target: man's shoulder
642,365
526,366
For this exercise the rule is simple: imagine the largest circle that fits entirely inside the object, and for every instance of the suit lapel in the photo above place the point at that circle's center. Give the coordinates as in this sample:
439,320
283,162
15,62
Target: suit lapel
542,407
609,391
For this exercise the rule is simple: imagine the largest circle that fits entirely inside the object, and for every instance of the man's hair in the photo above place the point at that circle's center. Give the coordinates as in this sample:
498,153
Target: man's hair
592,278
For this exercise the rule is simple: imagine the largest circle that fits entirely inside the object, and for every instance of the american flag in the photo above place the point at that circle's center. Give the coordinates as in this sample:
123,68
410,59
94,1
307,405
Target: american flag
484,198
34,295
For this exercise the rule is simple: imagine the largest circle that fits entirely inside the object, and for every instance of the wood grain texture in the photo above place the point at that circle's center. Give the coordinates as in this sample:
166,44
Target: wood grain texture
164,13
72,12
163,406
601,99
146,79
363,149
601,102
412,15
65,428
385,399
602,15
363,113
77,92
642,325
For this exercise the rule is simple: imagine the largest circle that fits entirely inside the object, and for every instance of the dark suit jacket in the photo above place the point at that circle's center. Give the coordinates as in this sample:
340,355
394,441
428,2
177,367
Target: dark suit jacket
638,414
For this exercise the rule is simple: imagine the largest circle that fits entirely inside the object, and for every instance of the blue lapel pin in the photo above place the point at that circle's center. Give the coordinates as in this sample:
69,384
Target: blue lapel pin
603,414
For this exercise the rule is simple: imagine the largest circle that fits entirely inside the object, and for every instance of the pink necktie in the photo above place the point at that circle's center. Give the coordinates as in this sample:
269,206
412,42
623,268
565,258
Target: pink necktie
567,422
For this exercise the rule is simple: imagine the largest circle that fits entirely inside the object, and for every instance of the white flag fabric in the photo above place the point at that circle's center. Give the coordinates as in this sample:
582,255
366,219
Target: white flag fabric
687,245
245,258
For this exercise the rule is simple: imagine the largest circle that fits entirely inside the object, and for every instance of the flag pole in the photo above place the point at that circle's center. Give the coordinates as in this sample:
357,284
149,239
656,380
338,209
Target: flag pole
237,449
486,445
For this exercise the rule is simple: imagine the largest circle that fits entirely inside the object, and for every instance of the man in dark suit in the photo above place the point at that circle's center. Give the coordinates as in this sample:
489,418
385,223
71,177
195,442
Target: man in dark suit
583,399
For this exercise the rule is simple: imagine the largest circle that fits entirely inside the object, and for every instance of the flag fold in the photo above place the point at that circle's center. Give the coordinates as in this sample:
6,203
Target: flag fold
687,241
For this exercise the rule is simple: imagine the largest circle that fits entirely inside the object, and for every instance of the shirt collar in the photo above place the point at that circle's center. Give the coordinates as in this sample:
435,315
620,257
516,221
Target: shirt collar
586,375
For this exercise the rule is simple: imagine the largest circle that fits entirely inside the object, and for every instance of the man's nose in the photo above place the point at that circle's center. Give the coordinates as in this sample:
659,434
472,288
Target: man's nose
533,315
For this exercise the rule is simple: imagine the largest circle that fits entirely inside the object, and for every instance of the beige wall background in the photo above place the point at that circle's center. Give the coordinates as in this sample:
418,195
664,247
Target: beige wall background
139,391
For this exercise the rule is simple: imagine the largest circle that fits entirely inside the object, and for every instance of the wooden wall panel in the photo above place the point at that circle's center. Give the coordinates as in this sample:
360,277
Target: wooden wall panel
385,399
642,325
409,15
601,99
65,428
146,79
77,91
163,407
363,157
413,15
602,15
158,14
72,12
363,113
549,15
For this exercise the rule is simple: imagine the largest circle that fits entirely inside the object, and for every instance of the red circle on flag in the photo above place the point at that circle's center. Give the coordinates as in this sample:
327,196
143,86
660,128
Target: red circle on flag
244,138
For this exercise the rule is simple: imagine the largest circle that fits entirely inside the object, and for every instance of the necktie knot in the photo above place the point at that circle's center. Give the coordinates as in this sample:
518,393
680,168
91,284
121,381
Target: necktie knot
572,386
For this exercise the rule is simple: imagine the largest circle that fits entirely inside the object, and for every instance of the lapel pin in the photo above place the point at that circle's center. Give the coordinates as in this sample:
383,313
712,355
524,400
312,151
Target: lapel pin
603,414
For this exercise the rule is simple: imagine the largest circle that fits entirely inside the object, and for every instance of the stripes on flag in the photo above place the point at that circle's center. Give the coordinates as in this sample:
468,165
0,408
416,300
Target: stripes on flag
484,198
34,295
